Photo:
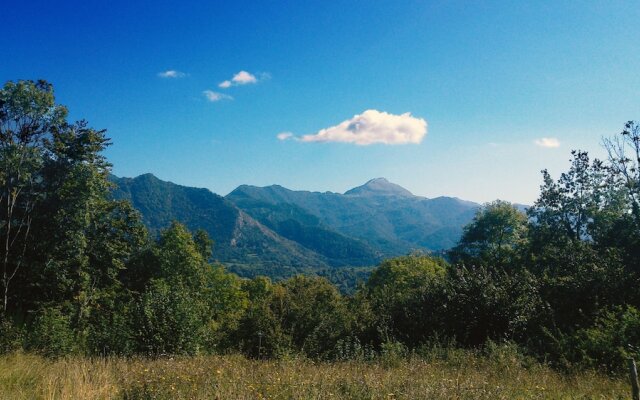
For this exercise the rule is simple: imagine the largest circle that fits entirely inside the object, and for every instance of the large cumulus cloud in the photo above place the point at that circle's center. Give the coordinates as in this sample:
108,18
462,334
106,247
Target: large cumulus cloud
370,127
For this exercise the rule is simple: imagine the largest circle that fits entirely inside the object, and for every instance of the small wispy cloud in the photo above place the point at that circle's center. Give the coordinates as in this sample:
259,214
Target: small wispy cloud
242,78
171,73
216,96
547,142
284,135
370,127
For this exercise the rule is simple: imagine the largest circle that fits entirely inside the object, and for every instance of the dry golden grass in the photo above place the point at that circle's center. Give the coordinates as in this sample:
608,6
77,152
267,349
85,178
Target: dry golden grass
462,376
31,377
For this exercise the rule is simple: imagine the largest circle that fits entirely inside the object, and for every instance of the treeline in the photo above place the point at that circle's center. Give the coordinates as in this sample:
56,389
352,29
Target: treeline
81,275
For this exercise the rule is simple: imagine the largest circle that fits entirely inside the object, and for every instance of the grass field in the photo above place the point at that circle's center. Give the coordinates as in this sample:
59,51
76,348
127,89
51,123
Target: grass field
458,375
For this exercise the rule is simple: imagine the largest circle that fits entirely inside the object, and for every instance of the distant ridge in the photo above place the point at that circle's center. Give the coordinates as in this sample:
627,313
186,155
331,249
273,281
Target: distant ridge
242,243
379,187
386,216
279,232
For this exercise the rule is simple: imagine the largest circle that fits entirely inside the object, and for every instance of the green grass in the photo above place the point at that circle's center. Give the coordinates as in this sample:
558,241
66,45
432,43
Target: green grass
459,375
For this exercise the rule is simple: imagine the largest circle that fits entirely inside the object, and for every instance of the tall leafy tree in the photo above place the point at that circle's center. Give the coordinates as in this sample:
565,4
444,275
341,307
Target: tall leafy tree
481,304
83,238
312,312
494,237
622,228
209,302
28,118
624,157
260,333
64,239
401,293
570,246
568,207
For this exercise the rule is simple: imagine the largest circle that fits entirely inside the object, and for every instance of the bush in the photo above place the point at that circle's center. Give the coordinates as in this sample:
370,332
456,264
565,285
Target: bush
392,353
402,294
11,336
52,334
109,330
480,304
167,320
312,313
613,339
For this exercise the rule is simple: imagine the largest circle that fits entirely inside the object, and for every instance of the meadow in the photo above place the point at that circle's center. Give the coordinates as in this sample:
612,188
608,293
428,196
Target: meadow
450,374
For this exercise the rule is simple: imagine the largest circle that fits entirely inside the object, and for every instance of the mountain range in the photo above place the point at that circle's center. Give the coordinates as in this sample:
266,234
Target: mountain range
279,232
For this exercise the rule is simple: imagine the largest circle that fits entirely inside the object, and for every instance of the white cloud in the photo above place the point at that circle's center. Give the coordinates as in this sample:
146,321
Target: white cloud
370,127
171,73
284,135
215,96
547,142
242,78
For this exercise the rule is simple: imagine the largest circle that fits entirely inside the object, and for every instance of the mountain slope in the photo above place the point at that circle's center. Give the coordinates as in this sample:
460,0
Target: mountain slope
242,243
384,215
294,223
279,232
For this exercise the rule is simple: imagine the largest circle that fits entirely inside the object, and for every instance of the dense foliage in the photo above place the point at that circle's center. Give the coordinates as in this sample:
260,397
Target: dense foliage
80,274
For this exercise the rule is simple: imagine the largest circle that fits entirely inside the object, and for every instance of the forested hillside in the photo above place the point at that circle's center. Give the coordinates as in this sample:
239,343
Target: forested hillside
384,215
242,243
278,233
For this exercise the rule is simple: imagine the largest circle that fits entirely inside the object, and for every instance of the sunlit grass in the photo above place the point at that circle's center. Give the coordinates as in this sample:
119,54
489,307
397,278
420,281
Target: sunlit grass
461,375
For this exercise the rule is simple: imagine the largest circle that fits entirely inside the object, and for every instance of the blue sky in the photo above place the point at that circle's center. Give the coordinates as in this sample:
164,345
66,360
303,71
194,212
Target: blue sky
489,79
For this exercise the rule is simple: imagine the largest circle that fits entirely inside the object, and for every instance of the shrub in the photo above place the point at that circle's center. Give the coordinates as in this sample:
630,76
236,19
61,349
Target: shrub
167,320
613,338
480,304
109,331
11,336
52,334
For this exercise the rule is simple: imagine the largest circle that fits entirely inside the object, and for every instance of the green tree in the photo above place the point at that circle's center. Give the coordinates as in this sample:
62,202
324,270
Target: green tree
204,244
178,258
52,333
567,208
211,300
493,238
610,341
480,304
28,117
624,158
312,313
622,227
174,257
573,246
226,303
259,332
57,218
400,293
167,319
83,239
